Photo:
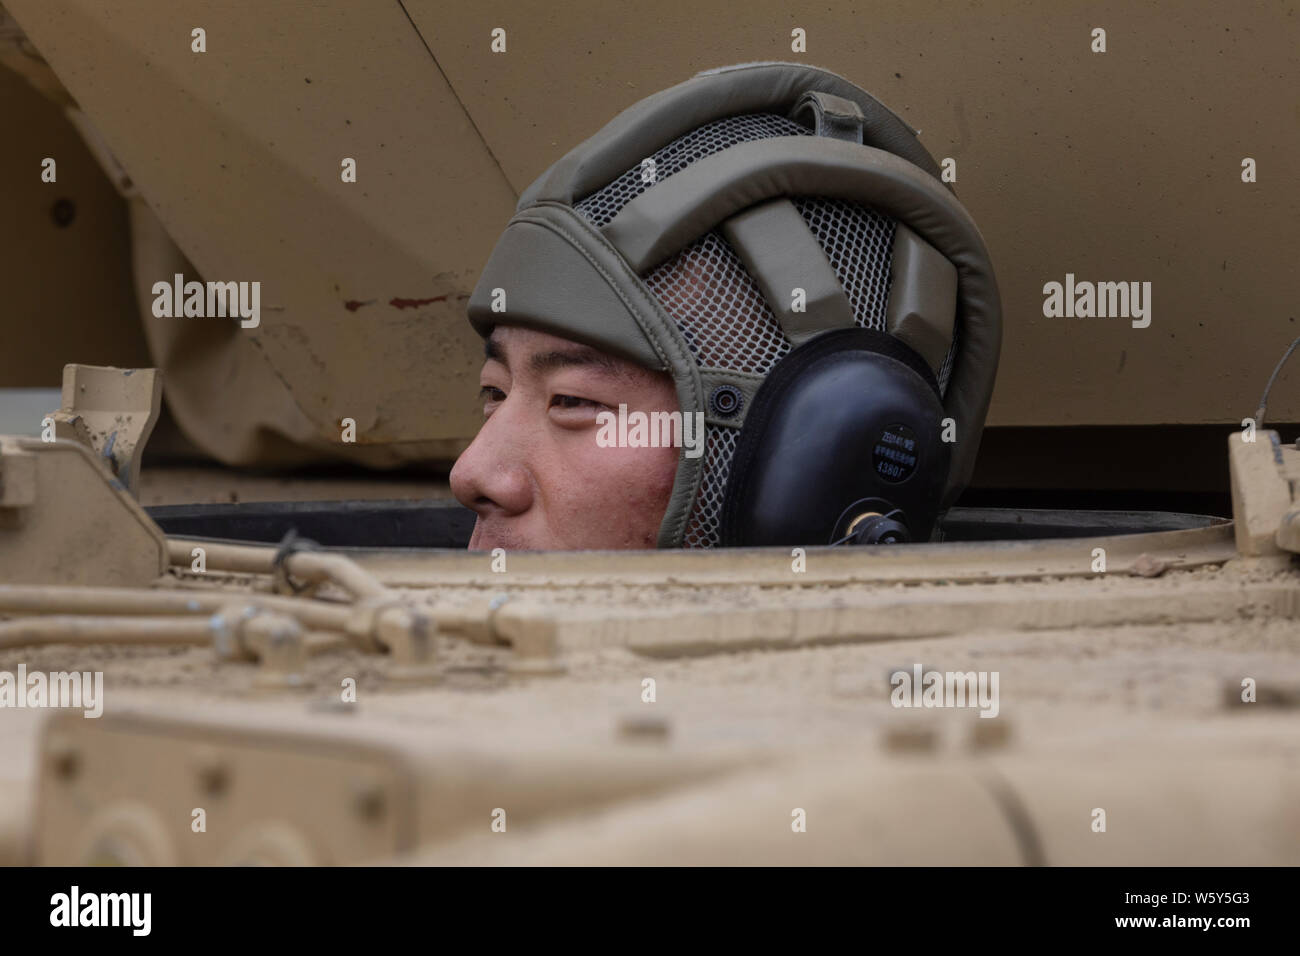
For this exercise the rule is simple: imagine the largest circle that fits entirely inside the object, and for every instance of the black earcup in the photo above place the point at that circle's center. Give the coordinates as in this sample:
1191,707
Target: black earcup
851,415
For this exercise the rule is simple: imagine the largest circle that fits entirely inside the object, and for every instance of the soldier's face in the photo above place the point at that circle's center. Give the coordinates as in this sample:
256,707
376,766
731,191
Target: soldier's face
535,474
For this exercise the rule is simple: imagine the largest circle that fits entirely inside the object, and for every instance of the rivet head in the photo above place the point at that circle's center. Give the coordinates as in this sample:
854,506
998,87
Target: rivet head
214,779
211,772
369,800
644,727
65,761
726,401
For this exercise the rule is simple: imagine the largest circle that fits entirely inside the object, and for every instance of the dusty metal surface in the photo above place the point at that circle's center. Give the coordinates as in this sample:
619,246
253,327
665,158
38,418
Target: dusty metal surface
359,334
1130,718
111,411
321,708
64,249
64,518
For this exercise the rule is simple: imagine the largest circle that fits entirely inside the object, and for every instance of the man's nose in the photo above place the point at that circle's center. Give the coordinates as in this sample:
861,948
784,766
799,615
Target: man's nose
492,475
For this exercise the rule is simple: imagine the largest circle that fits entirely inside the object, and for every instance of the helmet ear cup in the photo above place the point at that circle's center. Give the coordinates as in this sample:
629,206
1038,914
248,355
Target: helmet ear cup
853,414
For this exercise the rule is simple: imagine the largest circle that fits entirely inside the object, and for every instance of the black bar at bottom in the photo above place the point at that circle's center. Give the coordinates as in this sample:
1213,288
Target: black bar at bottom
949,908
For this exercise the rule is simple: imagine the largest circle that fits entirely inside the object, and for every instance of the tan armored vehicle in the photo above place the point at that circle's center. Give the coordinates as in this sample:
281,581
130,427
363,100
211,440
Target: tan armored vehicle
252,633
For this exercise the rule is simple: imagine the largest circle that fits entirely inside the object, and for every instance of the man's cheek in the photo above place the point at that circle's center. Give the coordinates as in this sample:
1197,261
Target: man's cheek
648,476
600,477
613,495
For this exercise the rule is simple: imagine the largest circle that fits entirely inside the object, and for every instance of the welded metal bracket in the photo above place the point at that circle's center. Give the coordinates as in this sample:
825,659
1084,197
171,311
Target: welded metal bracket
65,520
1265,493
112,411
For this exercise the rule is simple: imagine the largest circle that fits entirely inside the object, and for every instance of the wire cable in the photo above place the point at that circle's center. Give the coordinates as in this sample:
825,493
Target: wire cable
1263,402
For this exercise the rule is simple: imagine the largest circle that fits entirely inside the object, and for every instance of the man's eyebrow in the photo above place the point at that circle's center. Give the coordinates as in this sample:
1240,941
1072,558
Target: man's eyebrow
576,357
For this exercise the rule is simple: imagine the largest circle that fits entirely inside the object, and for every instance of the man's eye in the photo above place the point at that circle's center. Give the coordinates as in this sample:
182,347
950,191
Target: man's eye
572,401
489,393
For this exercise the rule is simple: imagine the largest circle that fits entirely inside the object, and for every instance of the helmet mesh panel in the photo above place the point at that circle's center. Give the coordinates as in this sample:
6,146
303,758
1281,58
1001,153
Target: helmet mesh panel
860,246
720,310
706,517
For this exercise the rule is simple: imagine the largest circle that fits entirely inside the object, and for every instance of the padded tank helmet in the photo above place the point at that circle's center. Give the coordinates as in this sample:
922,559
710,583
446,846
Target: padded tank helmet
781,243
